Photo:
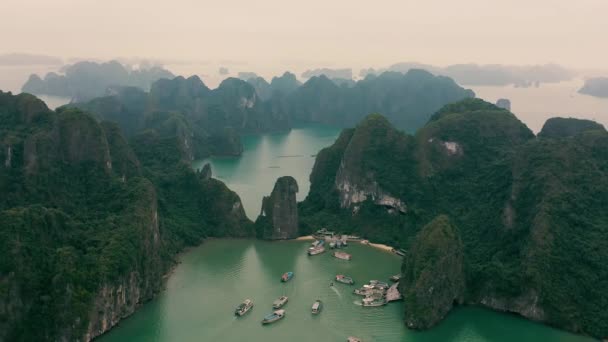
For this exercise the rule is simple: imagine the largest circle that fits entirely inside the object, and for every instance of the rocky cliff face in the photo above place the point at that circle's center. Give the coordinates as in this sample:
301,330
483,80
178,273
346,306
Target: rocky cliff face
83,241
512,198
433,274
278,219
115,300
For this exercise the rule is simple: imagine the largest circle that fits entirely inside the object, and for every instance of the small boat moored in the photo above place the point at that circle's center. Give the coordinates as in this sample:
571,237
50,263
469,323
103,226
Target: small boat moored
273,317
316,250
280,302
286,276
353,339
317,307
379,284
395,278
343,255
374,301
244,307
344,279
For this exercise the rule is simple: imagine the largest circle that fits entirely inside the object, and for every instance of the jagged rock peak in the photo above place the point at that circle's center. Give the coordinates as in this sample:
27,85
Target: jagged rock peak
279,215
504,104
431,286
206,172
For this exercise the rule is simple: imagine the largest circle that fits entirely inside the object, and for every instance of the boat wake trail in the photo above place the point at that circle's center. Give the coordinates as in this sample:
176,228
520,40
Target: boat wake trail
337,292
358,302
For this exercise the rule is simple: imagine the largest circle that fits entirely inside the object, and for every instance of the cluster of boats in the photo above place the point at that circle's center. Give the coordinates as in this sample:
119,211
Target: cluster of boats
374,293
318,247
277,305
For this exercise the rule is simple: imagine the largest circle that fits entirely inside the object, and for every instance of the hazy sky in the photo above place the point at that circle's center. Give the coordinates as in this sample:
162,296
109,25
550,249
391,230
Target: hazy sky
313,32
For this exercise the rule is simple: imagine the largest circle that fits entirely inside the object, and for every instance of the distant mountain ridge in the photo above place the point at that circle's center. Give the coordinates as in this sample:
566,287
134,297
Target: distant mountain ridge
597,87
211,121
489,74
83,81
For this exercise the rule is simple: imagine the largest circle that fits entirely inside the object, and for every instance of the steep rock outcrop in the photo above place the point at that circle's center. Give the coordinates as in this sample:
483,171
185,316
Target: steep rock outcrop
278,218
523,206
504,104
206,172
433,274
597,87
82,231
567,127
357,178
117,299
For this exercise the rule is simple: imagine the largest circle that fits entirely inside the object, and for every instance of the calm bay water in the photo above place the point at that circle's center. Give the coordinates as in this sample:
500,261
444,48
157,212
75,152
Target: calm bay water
212,279
268,157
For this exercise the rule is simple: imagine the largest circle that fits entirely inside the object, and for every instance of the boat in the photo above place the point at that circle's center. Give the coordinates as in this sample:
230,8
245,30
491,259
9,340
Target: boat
368,290
399,252
315,243
332,245
317,307
244,307
342,255
353,339
344,279
280,302
373,301
273,317
316,250
286,276
396,278
379,284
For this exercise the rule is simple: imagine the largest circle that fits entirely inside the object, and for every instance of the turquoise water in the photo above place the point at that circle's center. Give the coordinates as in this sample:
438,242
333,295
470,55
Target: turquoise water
268,157
214,278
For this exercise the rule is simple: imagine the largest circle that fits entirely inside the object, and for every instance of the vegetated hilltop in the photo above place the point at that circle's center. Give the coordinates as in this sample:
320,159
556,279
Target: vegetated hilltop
211,121
89,222
529,211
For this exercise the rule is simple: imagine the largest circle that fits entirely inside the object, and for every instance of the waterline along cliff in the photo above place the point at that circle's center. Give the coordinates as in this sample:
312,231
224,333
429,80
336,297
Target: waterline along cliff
91,222
488,213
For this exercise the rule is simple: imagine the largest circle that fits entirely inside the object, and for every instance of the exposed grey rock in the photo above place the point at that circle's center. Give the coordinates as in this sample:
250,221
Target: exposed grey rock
206,171
504,104
352,192
9,155
279,215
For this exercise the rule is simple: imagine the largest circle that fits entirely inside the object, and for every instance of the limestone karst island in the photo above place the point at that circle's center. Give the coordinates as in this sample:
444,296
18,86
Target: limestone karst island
304,171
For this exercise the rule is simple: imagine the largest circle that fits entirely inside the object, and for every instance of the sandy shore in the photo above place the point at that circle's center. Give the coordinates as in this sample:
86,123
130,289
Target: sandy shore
305,238
381,246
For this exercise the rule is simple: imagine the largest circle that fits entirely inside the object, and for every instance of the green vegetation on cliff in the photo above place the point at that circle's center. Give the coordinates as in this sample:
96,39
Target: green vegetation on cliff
211,121
88,225
279,215
433,274
566,127
528,209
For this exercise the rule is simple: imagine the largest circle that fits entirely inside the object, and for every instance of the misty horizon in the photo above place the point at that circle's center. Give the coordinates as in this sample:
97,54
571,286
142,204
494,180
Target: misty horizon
315,34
